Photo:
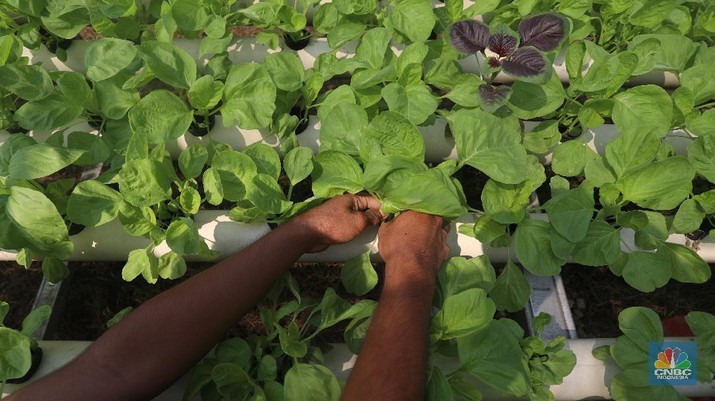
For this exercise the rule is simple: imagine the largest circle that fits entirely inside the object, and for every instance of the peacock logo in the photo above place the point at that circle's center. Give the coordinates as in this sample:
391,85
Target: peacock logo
672,358
672,362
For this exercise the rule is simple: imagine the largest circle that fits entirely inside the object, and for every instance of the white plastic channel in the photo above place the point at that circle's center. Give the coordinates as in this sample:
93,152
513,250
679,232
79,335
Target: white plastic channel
438,146
111,243
249,50
589,379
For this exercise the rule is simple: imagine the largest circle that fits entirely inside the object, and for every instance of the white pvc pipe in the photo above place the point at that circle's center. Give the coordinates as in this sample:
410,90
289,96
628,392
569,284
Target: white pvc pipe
590,377
249,50
661,78
111,243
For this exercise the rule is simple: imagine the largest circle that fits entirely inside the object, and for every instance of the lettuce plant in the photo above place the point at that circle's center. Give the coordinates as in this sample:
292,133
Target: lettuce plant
521,56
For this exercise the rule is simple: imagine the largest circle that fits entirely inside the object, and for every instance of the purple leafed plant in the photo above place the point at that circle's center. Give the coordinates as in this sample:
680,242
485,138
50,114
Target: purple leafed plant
520,55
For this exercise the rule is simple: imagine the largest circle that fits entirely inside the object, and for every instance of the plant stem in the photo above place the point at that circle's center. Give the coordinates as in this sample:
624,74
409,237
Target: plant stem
290,191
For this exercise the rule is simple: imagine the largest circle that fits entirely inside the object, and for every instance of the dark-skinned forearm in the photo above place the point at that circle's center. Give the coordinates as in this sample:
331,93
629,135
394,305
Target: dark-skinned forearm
160,340
393,359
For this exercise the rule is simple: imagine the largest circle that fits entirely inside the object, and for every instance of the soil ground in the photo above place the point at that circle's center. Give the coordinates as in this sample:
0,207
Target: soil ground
18,287
597,296
95,292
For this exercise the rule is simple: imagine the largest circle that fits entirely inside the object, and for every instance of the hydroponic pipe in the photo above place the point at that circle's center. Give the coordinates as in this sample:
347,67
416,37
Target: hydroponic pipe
249,50
111,243
438,145
589,379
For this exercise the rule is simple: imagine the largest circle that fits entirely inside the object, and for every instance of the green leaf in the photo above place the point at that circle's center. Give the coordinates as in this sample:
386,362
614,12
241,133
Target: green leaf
140,262
391,133
290,341
429,191
695,78
402,16
96,149
144,182
183,237
372,48
266,159
686,265
506,203
488,144
15,358
192,160
335,173
249,96
342,128
266,194
646,271
493,355
93,204
34,319
190,15
531,100
298,164
533,248
438,388
570,212
645,107
543,138
460,274
40,160
160,116
114,100
511,290
190,200
641,325
416,102
652,13
688,218
701,124
304,382
661,185
54,270
600,246
570,158
170,63
701,154
48,113
30,82
65,20
462,314
38,221
358,7
205,93
136,221
286,70
171,266
633,384
358,276
631,150
105,57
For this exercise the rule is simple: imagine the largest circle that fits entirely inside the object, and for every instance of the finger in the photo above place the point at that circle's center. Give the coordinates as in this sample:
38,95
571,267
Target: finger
368,202
373,217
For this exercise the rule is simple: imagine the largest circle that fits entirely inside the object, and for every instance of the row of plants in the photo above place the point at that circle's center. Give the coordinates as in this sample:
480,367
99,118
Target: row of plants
138,97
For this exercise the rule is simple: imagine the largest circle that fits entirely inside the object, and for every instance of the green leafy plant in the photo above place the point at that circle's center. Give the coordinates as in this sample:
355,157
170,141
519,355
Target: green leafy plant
19,353
630,352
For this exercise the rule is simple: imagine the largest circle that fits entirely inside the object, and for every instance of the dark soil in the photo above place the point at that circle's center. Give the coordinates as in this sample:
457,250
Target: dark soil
597,296
18,288
95,292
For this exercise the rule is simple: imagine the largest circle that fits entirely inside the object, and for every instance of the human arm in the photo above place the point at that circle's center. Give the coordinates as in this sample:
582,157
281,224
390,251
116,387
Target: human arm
152,347
393,359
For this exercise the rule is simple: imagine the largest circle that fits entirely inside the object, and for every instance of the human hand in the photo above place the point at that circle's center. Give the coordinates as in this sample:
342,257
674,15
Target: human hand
414,241
338,220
